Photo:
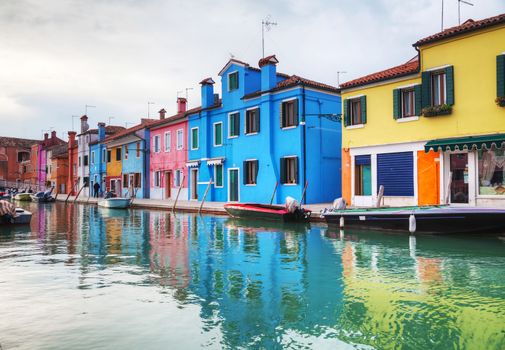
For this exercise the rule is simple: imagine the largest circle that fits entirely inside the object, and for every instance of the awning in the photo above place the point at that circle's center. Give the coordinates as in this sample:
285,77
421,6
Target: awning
215,161
194,164
466,143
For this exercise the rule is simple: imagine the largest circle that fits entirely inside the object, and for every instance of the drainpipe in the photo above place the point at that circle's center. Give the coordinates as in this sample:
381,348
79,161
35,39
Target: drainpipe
304,131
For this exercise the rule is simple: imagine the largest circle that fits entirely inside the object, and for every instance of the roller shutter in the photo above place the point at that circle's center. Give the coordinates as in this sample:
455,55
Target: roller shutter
395,171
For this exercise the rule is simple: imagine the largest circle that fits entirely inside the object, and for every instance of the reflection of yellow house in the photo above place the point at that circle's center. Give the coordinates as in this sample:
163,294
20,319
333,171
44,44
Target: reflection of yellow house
441,101
114,169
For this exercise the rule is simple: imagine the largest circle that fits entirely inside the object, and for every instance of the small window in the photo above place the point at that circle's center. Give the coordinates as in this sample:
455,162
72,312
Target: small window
180,139
289,170
438,88
126,152
86,161
157,179
137,182
104,155
156,144
234,125
194,138
218,175
125,180
355,111
168,141
118,153
289,113
362,176
109,156
408,103
138,149
218,134
250,172
93,157
233,81
178,178
252,119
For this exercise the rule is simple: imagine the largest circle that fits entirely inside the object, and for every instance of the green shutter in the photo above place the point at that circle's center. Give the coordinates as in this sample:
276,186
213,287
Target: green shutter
218,134
397,106
194,138
237,124
296,111
500,75
257,120
449,82
296,170
418,99
347,121
219,175
426,90
363,109
283,171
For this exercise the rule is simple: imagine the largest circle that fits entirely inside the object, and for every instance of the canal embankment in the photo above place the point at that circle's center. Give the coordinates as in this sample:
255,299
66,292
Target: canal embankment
215,208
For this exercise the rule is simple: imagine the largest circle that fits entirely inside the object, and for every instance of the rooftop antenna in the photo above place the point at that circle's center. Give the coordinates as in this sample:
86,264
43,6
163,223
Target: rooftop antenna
86,109
110,118
126,124
442,24
148,109
459,8
265,24
338,76
73,117
187,89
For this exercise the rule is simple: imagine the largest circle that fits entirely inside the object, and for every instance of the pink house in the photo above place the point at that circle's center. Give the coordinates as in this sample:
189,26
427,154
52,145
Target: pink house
169,153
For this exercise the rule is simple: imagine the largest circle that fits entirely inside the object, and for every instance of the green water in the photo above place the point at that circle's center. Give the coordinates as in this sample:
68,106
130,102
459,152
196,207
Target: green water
82,277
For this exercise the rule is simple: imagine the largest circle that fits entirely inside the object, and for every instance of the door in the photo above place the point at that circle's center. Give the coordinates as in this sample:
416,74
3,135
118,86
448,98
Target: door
168,184
233,185
458,167
194,184
118,188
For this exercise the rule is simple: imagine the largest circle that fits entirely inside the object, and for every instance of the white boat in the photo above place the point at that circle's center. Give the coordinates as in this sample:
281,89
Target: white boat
115,202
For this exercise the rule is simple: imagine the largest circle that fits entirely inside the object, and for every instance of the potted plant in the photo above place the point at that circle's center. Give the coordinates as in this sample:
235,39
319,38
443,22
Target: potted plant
500,101
432,111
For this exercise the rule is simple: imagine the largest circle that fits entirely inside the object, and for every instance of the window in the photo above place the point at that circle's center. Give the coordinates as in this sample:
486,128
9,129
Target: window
233,81
491,172
500,75
250,172
218,134
22,156
168,141
408,103
138,149
86,160
157,179
126,152
180,139
289,113
93,157
125,181
104,155
109,156
289,170
252,120
177,178
118,153
85,181
156,144
218,175
137,182
234,124
438,92
194,138
355,112
362,176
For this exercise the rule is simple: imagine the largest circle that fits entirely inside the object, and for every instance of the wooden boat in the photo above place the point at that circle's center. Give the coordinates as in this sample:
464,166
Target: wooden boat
24,197
22,217
266,212
428,219
115,202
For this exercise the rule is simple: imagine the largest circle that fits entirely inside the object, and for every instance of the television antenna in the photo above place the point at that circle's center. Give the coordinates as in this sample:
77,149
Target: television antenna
459,8
188,89
86,109
339,72
266,24
149,109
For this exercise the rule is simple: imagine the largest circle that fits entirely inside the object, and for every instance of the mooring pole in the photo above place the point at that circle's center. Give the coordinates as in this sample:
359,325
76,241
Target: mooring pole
78,193
205,195
303,194
70,192
273,194
178,192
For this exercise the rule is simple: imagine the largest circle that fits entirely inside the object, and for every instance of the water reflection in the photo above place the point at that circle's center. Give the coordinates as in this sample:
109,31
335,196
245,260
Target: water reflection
269,286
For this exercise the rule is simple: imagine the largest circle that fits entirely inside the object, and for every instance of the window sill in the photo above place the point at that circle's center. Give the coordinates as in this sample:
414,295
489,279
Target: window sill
357,126
407,119
251,133
218,145
218,186
233,137
289,184
250,185
289,127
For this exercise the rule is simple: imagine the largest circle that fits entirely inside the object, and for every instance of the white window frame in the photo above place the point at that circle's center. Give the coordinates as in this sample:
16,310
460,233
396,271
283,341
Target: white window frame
198,137
228,182
222,176
229,124
296,183
104,155
168,145
282,102
180,146
156,141
214,134
246,170
228,80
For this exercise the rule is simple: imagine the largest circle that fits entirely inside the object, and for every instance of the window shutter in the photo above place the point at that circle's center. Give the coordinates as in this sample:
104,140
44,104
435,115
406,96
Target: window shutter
500,75
296,169
363,109
295,108
257,120
283,171
283,113
236,120
418,99
244,172
396,103
256,172
426,89
346,113
449,80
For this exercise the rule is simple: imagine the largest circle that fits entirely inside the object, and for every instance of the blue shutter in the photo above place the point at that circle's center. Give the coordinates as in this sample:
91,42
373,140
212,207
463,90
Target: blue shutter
395,171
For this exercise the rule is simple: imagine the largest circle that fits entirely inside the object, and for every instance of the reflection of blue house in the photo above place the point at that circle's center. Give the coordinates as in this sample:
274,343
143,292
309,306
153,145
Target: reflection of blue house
267,127
98,158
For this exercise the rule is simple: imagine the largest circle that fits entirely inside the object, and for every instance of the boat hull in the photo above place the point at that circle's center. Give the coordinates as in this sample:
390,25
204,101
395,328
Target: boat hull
42,199
265,212
22,217
117,203
430,221
23,197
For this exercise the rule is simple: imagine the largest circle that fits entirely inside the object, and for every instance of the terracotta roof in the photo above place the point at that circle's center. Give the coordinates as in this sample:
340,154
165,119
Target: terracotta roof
17,142
59,150
408,68
109,130
207,81
125,132
469,26
268,60
176,117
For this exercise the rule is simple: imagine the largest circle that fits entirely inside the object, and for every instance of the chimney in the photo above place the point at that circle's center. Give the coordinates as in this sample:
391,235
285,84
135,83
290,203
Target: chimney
207,92
71,139
46,136
84,124
268,67
53,135
162,113
101,131
181,105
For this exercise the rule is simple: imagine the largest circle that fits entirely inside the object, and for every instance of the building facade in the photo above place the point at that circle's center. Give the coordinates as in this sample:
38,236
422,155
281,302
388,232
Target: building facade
268,128
431,130
57,168
98,160
15,165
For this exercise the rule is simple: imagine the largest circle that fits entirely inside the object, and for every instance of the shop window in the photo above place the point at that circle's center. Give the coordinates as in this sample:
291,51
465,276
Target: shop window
491,172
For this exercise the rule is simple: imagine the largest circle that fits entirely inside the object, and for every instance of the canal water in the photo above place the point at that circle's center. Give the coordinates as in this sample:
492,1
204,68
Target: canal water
82,277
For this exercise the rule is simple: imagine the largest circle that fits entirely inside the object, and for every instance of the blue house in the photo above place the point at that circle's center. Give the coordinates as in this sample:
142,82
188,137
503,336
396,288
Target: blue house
98,157
266,128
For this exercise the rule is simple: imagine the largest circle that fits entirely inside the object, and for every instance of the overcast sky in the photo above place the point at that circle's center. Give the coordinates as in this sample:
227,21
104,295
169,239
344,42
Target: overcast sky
56,56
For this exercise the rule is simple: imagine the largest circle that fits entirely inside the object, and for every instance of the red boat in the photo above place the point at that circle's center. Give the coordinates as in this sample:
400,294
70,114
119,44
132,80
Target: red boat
267,212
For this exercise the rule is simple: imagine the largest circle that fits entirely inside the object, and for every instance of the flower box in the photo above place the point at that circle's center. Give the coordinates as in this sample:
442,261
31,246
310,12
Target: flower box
432,111
500,101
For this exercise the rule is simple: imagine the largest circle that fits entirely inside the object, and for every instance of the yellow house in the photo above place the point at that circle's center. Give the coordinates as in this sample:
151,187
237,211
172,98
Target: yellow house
114,169
431,130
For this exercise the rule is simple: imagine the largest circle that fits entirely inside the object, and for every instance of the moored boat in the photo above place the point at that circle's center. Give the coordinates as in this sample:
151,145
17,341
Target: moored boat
428,219
9,214
290,212
43,197
24,197
115,202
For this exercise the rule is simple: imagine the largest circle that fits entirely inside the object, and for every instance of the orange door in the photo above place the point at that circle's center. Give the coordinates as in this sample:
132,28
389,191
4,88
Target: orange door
428,177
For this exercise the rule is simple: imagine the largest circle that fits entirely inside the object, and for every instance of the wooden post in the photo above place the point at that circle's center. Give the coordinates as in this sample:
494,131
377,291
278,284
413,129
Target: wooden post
303,194
273,194
380,196
70,192
205,195
448,189
178,192
78,193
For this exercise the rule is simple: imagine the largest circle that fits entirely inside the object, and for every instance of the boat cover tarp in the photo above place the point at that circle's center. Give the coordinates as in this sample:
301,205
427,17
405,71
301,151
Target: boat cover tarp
7,208
468,142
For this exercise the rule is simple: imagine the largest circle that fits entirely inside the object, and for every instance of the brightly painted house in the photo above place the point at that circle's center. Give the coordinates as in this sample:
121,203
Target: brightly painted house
267,128
128,161
98,160
72,178
169,154
430,130
57,168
